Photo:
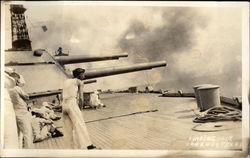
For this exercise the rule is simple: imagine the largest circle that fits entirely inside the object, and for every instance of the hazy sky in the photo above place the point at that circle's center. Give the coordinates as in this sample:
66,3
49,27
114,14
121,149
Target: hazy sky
200,44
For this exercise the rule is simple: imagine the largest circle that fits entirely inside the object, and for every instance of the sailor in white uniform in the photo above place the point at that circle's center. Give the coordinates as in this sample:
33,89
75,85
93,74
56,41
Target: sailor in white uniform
72,95
23,116
10,126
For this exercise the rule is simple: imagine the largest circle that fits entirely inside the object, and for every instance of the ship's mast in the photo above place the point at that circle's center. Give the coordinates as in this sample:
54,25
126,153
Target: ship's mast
19,31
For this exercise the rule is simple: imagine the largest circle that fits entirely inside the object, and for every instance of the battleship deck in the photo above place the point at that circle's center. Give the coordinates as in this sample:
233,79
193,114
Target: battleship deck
168,128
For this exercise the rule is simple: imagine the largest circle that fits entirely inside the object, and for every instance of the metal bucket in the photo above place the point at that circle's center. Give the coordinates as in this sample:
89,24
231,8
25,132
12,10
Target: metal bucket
197,95
209,96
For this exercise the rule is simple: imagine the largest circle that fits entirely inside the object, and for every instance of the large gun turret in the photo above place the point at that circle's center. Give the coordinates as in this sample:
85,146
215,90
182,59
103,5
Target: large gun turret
123,69
44,74
81,58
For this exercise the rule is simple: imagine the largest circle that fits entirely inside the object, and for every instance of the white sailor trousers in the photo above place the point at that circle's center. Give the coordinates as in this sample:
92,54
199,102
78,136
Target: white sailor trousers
80,134
24,125
10,125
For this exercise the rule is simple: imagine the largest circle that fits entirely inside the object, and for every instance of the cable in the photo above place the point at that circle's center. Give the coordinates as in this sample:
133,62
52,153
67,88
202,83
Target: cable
134,113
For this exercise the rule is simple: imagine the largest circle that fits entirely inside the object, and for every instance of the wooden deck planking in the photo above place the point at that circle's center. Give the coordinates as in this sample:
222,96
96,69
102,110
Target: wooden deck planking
97,136
144,137
115,138
121,136
168,128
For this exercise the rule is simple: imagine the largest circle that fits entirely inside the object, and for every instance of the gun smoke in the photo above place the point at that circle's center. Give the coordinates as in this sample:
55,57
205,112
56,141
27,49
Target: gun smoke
175,38
200,45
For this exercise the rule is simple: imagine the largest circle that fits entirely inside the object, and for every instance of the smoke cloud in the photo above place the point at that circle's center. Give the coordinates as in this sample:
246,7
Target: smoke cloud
175,35
179,41
200,45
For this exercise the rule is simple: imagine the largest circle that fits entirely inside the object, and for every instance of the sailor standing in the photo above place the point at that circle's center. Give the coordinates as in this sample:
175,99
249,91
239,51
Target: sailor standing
72,95
59,52
23,116
10,126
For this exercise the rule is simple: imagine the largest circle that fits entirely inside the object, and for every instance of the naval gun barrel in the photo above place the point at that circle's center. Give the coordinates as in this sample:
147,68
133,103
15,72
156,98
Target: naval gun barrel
81,58
123,69
89,81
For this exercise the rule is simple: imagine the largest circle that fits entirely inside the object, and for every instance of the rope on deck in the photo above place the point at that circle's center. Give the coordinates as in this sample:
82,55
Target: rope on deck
215,114
221,113
134,113
212,128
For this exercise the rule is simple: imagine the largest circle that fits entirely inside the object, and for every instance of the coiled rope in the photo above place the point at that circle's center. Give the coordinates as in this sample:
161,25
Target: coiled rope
220,113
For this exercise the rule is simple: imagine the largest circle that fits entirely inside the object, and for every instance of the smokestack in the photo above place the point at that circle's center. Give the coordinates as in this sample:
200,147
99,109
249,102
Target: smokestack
19,31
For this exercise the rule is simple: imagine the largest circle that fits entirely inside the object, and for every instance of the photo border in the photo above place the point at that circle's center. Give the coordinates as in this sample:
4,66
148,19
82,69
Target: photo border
143,153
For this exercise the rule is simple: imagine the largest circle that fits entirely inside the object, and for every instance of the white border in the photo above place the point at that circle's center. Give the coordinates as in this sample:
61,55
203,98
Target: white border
245,78
137,3
2,68
145,153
